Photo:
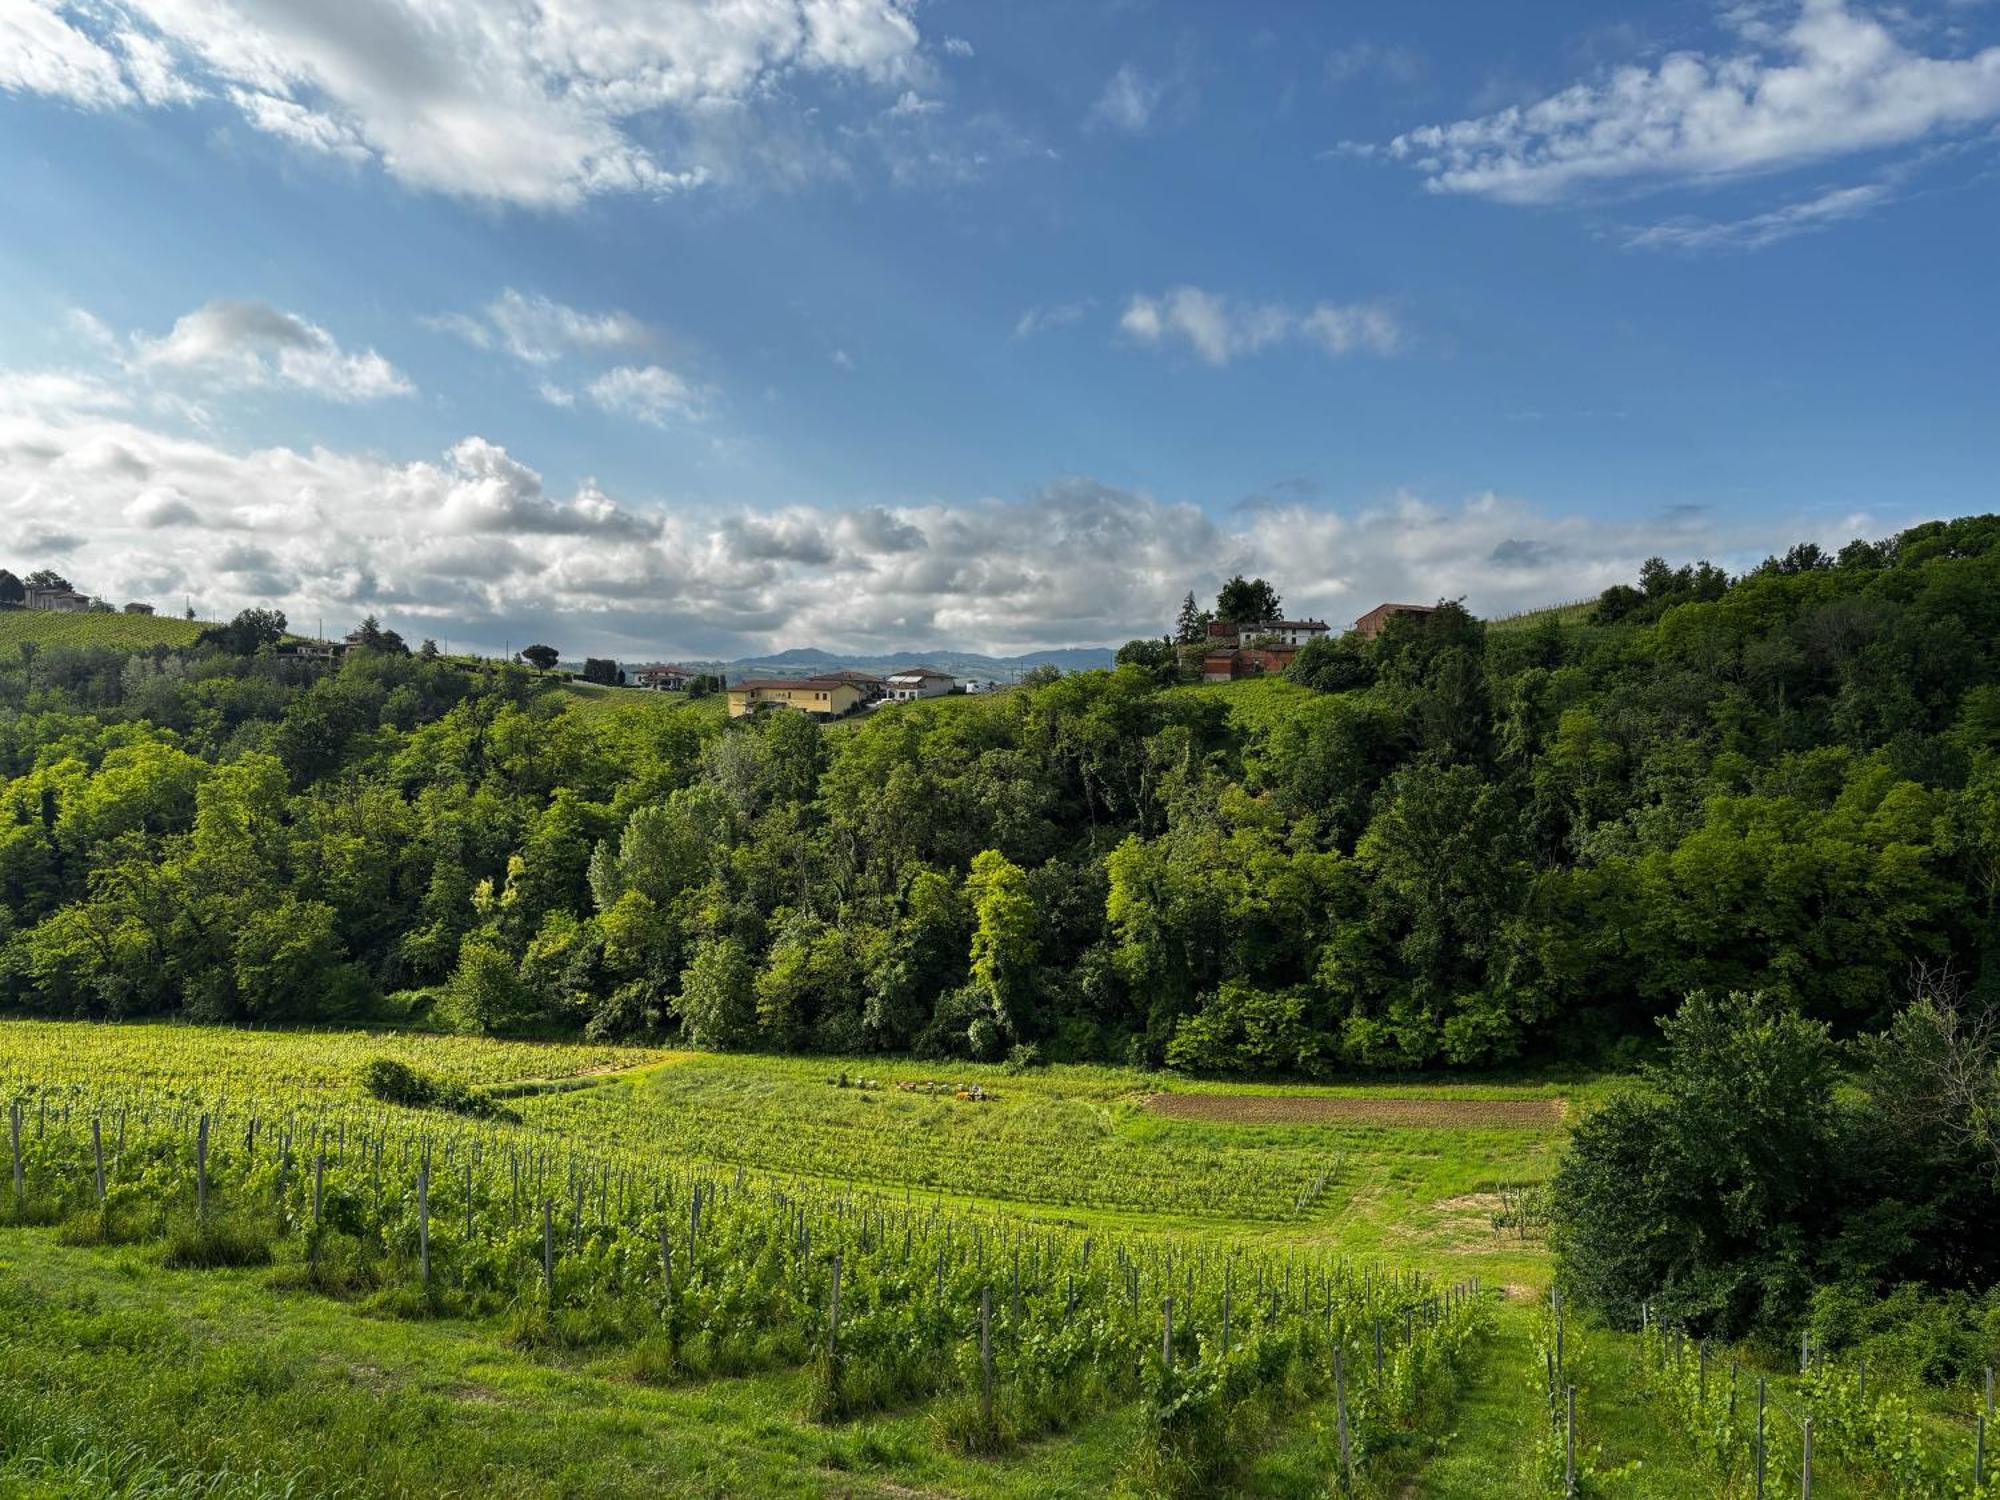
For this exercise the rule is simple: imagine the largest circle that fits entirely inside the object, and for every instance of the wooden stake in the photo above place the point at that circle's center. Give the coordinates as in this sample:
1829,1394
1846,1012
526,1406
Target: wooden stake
1340,1416
986,1356
1760,1437
1569,1441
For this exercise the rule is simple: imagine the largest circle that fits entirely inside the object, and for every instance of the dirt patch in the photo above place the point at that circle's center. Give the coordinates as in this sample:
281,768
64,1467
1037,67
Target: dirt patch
1415,1114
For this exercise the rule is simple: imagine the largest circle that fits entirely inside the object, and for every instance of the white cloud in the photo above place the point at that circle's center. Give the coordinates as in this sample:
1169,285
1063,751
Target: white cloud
1399,65
1758,230
1353,327
1834,80
1054,315
1128,101
474,547
533,103
250,344
647,392
539,330
305,128
958,46
41,52
1220,329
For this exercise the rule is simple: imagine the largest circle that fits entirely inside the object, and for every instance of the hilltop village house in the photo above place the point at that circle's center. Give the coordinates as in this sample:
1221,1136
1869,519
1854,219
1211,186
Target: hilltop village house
63,601
919,682
1254,647
827,696
1262,646
1370,625
663,677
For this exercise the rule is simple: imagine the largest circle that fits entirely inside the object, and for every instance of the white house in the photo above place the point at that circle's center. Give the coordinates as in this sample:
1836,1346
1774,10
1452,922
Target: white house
918,682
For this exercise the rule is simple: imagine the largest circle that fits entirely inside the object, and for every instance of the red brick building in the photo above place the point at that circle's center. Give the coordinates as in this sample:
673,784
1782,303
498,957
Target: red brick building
1370,625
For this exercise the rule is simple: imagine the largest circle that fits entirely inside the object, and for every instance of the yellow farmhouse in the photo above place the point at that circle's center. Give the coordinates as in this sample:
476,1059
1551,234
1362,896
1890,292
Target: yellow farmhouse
829,697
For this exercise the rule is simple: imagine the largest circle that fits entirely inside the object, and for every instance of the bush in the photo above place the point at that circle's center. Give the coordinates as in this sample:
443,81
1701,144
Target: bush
398,1083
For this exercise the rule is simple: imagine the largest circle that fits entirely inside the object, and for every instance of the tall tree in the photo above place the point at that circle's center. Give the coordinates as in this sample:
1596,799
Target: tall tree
1192,624
1243,601
541,658
13,592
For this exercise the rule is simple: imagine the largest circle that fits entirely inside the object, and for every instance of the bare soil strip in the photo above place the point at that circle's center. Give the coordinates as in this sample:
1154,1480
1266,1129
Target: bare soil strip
1419,1114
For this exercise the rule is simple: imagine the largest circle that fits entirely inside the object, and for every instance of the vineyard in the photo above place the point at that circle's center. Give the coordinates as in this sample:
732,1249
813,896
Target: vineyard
768,1275
122,632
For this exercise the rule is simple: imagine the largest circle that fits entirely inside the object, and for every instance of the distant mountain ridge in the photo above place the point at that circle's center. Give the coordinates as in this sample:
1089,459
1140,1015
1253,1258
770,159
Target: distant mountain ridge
803,661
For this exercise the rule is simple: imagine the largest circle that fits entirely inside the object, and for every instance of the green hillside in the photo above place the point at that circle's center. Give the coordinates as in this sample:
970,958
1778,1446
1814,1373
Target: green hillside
47,628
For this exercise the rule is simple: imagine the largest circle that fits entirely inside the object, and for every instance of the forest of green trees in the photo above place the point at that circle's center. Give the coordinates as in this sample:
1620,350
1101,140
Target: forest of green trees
1457,846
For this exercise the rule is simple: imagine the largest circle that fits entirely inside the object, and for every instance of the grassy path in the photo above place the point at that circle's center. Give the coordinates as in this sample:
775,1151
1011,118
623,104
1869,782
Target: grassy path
1484,1457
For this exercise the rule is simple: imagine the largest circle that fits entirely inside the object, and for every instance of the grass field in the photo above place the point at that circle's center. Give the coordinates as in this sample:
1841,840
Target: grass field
120,1377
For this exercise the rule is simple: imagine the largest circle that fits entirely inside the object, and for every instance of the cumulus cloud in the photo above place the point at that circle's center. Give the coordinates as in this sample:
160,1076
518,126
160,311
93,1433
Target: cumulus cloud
1833,81
249,344
1219,328
476,547
540,104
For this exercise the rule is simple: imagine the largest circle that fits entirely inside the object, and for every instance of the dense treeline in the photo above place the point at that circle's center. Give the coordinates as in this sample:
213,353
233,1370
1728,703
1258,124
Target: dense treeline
1450,847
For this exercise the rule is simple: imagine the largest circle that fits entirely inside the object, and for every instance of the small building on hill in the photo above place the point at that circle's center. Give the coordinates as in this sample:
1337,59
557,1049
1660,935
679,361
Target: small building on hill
1265,632
872,688
63,601
918,682
825,697
136,608
1370,625
663,677
1246,661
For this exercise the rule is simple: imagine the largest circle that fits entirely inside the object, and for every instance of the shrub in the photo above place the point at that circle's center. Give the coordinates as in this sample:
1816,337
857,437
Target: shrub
398,1083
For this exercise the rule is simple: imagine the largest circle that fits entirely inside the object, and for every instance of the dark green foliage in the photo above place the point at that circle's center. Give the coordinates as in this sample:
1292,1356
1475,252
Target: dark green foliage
1745,1191
1464,846
541,658
1706,1195
1155,659
1333,664
1243,600
252,630
398,1083
13,591
370,636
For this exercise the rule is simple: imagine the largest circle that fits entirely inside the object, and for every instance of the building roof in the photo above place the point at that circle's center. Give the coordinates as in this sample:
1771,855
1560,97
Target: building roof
793,684
908,674
667,666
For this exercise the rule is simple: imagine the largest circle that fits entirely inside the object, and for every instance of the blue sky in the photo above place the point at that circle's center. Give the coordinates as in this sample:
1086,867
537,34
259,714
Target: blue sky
670,329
